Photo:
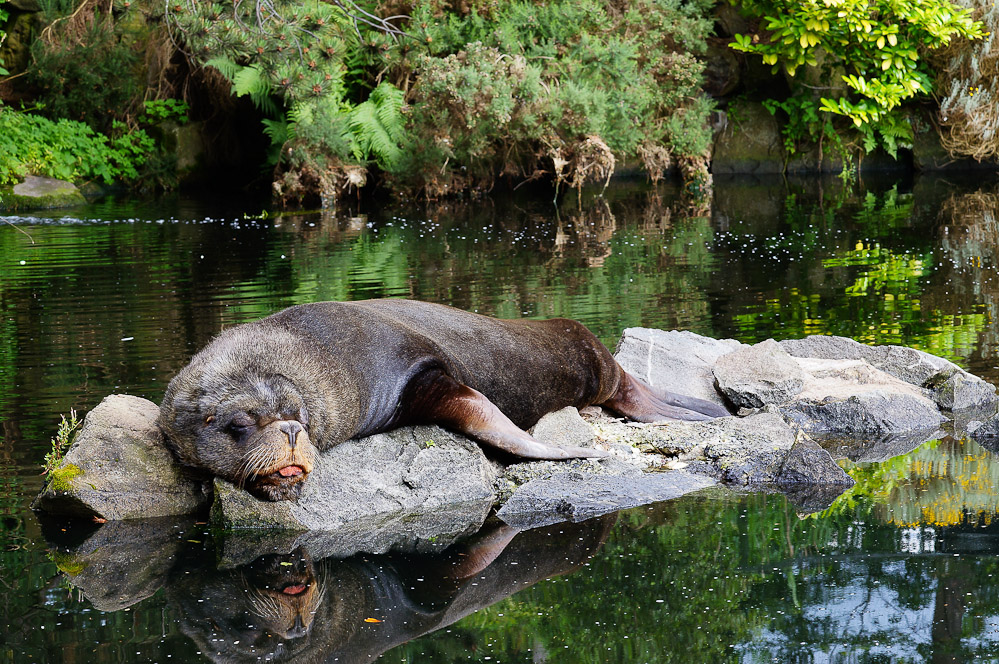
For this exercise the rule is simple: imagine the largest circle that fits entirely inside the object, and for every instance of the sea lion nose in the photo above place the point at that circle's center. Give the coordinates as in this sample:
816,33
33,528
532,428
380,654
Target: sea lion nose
290,428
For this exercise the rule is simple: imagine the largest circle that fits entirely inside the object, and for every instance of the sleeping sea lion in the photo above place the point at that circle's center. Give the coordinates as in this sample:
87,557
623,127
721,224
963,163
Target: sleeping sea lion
257,404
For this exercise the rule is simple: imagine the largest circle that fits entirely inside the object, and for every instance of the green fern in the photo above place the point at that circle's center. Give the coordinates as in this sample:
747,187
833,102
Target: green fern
245,81
379,126
279,131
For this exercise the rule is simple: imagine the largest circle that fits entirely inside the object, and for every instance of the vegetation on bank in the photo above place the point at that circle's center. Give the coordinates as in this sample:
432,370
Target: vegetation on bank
858,59
432,99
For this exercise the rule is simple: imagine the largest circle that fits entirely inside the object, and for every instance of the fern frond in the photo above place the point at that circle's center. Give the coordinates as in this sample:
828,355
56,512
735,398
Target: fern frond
251,81
378,126
228,68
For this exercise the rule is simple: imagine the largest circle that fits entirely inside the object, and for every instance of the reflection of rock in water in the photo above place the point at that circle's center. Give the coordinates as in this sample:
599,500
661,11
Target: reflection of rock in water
287,607
865,450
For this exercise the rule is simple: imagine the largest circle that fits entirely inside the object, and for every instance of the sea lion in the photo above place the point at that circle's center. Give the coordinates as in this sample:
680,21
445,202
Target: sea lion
257,404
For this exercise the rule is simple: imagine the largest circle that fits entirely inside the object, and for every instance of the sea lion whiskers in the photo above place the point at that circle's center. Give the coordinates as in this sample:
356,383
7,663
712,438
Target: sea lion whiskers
260,457
263,604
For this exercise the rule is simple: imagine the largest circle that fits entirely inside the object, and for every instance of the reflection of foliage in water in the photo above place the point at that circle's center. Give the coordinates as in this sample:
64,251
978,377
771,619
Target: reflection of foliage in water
883,303
941,483
734,578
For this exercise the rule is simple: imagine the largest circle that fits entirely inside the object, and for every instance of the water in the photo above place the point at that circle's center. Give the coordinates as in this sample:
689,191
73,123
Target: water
116,297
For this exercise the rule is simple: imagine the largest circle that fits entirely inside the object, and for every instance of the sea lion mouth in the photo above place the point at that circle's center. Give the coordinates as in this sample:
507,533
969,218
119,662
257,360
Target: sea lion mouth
295,590
284,483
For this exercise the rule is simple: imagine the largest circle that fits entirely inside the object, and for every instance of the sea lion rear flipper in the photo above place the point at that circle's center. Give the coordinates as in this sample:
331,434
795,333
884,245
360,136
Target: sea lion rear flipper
443,400
637,401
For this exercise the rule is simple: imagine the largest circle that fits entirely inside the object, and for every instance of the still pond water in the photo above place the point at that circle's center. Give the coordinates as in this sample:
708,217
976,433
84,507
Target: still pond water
902,568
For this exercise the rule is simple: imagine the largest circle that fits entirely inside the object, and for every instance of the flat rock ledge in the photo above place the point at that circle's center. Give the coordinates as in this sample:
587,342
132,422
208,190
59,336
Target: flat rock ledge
423,488
37,192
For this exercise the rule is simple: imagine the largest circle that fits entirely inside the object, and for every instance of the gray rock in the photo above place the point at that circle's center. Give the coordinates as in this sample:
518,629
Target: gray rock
756,376
755,449
908,364
576,496
389,477
963,391
42,192
740,450
625,461
869,414
808,463
118,468
564,427
677,361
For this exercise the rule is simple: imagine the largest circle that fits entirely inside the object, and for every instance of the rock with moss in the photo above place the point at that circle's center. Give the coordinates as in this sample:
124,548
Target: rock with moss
118,468
37,193
123,562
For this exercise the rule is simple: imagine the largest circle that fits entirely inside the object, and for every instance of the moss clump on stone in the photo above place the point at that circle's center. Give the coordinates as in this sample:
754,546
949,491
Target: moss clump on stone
61,479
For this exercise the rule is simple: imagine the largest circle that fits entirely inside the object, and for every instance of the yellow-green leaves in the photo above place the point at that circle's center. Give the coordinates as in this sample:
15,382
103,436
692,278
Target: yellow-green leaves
875,42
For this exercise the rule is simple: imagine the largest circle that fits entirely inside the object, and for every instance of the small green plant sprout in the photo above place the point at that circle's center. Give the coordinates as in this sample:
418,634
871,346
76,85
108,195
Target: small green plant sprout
430,443
60,442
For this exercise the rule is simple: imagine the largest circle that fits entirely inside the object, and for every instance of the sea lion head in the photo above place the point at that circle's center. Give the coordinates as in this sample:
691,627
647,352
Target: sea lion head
235,412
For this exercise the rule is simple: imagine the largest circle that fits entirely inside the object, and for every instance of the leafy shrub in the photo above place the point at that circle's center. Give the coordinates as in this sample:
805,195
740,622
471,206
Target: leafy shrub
4,15
86,73
159,110
874,47
458,97
67,150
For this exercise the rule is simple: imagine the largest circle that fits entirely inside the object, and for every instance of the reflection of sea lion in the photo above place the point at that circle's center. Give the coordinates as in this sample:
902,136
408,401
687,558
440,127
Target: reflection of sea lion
288,608
256,404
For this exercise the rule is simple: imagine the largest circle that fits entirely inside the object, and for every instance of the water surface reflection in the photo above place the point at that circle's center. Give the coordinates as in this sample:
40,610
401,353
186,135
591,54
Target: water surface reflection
117,297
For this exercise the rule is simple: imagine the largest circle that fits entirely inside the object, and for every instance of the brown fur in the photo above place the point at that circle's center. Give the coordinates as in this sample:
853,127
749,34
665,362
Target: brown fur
338,370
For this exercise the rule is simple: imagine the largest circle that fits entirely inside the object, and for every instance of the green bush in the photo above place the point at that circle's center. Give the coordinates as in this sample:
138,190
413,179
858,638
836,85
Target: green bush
4,15
93,78
868,55
67,150
447,100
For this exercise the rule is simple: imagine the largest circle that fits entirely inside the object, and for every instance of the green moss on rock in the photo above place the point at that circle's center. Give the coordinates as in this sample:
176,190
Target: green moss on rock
61,479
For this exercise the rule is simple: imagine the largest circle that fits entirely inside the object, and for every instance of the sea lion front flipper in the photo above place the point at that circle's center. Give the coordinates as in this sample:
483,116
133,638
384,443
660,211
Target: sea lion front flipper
440,399
637,401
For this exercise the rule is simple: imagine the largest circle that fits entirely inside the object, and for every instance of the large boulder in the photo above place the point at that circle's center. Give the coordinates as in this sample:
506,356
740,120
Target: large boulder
872,414
388,479
674,360
118,468
37,192
759,449
954,388
759,375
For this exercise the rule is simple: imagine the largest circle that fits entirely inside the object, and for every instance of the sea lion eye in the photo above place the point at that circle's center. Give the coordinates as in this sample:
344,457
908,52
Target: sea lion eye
241,423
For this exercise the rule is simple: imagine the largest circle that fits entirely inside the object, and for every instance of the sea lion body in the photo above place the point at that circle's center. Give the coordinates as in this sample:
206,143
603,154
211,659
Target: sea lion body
262,398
